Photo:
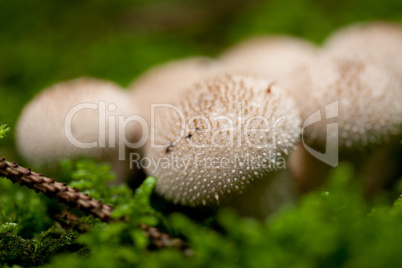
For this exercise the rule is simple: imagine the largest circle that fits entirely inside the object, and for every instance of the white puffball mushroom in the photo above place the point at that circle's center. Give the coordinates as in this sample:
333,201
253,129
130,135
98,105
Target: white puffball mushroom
360,67
273,57
377,42
238,129
369,101
41,129
369,114
160,83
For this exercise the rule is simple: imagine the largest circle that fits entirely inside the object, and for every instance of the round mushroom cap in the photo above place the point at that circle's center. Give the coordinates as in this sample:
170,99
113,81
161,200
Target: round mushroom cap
272,57
368,111
222,134
41,129
378,42
160,83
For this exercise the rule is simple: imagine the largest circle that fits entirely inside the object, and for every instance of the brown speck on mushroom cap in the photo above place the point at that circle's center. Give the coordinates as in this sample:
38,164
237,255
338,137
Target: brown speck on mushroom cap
40,131
273,57
376,42
215,163
369,100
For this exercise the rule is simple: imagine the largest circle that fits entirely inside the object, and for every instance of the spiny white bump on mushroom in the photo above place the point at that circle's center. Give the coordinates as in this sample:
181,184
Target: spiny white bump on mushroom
160,83
273,57
369,101
41,136
238,129
377,42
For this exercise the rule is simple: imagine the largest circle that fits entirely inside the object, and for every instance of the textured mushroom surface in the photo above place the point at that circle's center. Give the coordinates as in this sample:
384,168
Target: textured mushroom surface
41,134
369,101
238,128
272,57
160,83
379,43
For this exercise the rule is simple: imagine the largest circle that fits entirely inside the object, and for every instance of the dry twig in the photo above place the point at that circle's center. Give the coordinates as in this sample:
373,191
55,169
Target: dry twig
53,189
75,199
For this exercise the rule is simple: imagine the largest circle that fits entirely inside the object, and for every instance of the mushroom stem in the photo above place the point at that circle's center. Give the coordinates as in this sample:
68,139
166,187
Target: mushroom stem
266,197
307,171
382,169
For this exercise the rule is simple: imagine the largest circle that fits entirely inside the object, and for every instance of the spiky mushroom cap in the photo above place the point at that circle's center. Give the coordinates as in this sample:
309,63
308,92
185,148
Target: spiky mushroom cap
41,135
377,42
238,128
273,57
161,82
369,108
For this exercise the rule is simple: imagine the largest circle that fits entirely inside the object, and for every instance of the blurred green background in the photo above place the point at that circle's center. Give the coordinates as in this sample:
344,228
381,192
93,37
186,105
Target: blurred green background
44,42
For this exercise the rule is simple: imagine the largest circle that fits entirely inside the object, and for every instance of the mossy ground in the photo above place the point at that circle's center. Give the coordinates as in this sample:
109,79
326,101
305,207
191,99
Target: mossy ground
333,227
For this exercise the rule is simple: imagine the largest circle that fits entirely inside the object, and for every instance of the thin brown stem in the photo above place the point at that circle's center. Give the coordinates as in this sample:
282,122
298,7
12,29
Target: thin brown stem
75,199
53,189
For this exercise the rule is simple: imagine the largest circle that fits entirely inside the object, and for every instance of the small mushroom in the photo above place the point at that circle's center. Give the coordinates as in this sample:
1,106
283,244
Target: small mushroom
273,57
377,42
369,100
361,69
239,134
160,83
43,126
367,109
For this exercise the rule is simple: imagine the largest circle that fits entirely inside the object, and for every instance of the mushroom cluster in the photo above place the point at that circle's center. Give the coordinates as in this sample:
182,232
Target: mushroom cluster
219,130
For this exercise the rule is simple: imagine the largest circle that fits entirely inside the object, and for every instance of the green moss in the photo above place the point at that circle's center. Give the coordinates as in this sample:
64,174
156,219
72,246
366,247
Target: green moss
336,227
3,130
